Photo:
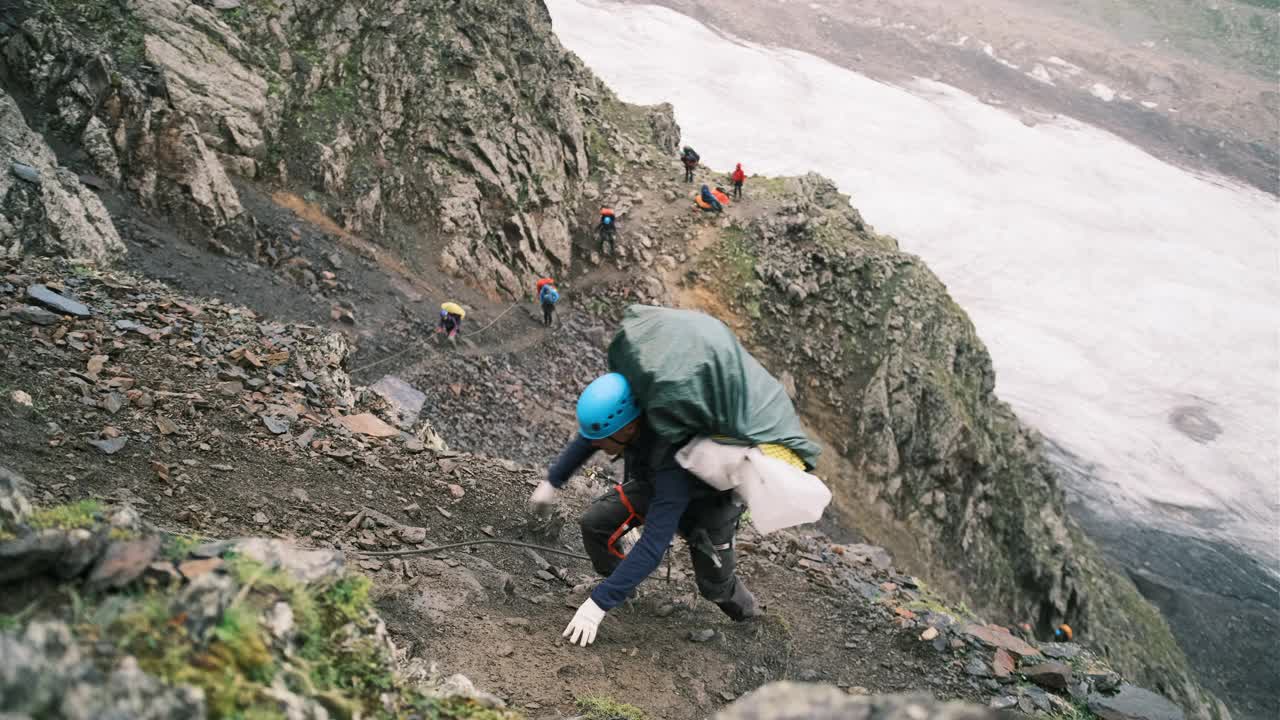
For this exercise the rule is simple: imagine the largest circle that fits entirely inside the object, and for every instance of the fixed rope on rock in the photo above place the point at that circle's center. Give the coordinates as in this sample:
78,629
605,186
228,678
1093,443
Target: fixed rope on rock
467,543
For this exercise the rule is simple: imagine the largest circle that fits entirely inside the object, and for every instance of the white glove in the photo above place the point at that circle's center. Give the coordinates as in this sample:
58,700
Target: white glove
543,497
584,623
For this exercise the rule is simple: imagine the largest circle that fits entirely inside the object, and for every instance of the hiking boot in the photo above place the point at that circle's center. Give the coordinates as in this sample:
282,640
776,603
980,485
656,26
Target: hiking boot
742,606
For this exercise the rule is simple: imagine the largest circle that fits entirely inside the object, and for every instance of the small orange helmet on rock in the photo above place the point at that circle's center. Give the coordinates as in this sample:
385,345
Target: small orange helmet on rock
1063,633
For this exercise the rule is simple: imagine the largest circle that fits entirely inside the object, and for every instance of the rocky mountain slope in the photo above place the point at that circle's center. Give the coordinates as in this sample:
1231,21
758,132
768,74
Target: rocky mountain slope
347,168
455,133
158,432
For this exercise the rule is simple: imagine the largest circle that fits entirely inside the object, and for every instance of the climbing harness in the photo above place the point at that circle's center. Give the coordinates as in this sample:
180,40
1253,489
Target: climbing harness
626,525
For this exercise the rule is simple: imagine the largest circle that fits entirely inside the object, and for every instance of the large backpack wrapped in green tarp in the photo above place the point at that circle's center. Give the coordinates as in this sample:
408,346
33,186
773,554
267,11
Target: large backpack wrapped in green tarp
692,377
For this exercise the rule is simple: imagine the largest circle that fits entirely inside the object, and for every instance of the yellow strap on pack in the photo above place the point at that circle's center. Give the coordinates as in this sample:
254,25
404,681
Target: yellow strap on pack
773,450
785,454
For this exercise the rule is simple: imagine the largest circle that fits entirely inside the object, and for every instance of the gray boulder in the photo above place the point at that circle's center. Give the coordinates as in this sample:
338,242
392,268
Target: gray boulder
304,565
37,315
1134,703
14,506
57,301
805,701
42,674
56,215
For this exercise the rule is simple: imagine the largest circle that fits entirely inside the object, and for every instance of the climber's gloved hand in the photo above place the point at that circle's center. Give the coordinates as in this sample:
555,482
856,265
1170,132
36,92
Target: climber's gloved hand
543,499
582,628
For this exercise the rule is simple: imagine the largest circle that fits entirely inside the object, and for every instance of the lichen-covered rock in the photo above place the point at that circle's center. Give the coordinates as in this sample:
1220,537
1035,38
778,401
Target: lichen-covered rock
14,506
460,686
137,83
909,388
928,461
662,124
803,701
55,215
31,554
44,674
131,693
198,55
304,565
202,602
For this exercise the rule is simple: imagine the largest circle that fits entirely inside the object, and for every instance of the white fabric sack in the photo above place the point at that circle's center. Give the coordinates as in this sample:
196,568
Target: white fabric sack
779,495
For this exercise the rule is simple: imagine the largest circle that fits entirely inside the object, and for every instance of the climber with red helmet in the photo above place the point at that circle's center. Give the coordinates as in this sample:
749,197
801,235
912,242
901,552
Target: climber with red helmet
658,494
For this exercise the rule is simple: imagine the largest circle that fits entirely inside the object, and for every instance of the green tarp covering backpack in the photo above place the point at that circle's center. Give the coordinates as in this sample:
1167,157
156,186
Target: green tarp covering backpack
692,377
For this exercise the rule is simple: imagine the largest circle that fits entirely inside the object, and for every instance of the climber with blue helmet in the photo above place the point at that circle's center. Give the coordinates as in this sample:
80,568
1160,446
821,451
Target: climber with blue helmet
607,230
656,494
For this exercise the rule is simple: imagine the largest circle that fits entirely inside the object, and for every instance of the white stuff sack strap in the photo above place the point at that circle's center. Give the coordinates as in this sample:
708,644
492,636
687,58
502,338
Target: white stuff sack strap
779,495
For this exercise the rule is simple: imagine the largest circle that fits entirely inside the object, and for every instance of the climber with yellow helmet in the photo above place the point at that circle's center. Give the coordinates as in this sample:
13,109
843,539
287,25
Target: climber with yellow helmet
451,315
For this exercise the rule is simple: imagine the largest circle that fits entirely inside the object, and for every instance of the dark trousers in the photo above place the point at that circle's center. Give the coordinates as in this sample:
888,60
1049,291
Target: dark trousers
709,525
737,190
608,233
688,172
547,310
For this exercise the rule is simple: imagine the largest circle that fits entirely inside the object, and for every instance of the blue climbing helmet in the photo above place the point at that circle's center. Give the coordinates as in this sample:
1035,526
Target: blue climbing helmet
606,406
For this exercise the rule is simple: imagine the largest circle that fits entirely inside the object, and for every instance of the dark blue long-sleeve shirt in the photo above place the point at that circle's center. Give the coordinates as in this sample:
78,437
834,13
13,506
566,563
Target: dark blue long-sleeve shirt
671,494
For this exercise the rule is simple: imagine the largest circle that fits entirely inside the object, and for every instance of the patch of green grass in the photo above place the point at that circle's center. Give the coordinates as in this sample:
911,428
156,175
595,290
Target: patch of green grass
178,547
600,153
79,514
346,670
18,619
328,619
336,661
346,600
733,264
603,708
738,263
765,185
928,603
456,709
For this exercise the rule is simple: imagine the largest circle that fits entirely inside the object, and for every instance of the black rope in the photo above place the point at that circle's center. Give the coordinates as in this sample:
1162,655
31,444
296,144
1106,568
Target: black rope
450,546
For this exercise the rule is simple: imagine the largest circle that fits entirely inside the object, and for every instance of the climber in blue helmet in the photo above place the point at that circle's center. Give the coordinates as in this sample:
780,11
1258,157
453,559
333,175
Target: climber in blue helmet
656,494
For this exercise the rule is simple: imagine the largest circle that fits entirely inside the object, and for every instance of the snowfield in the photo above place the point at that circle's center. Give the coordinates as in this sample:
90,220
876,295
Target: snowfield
1131,307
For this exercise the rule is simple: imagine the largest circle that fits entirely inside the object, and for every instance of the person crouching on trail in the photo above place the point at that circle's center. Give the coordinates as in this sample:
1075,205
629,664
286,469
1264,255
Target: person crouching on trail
548,296
710,199
450,324
737,177
657,494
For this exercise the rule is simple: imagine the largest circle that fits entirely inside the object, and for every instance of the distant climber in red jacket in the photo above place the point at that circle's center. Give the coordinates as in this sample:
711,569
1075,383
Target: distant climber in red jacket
737,177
